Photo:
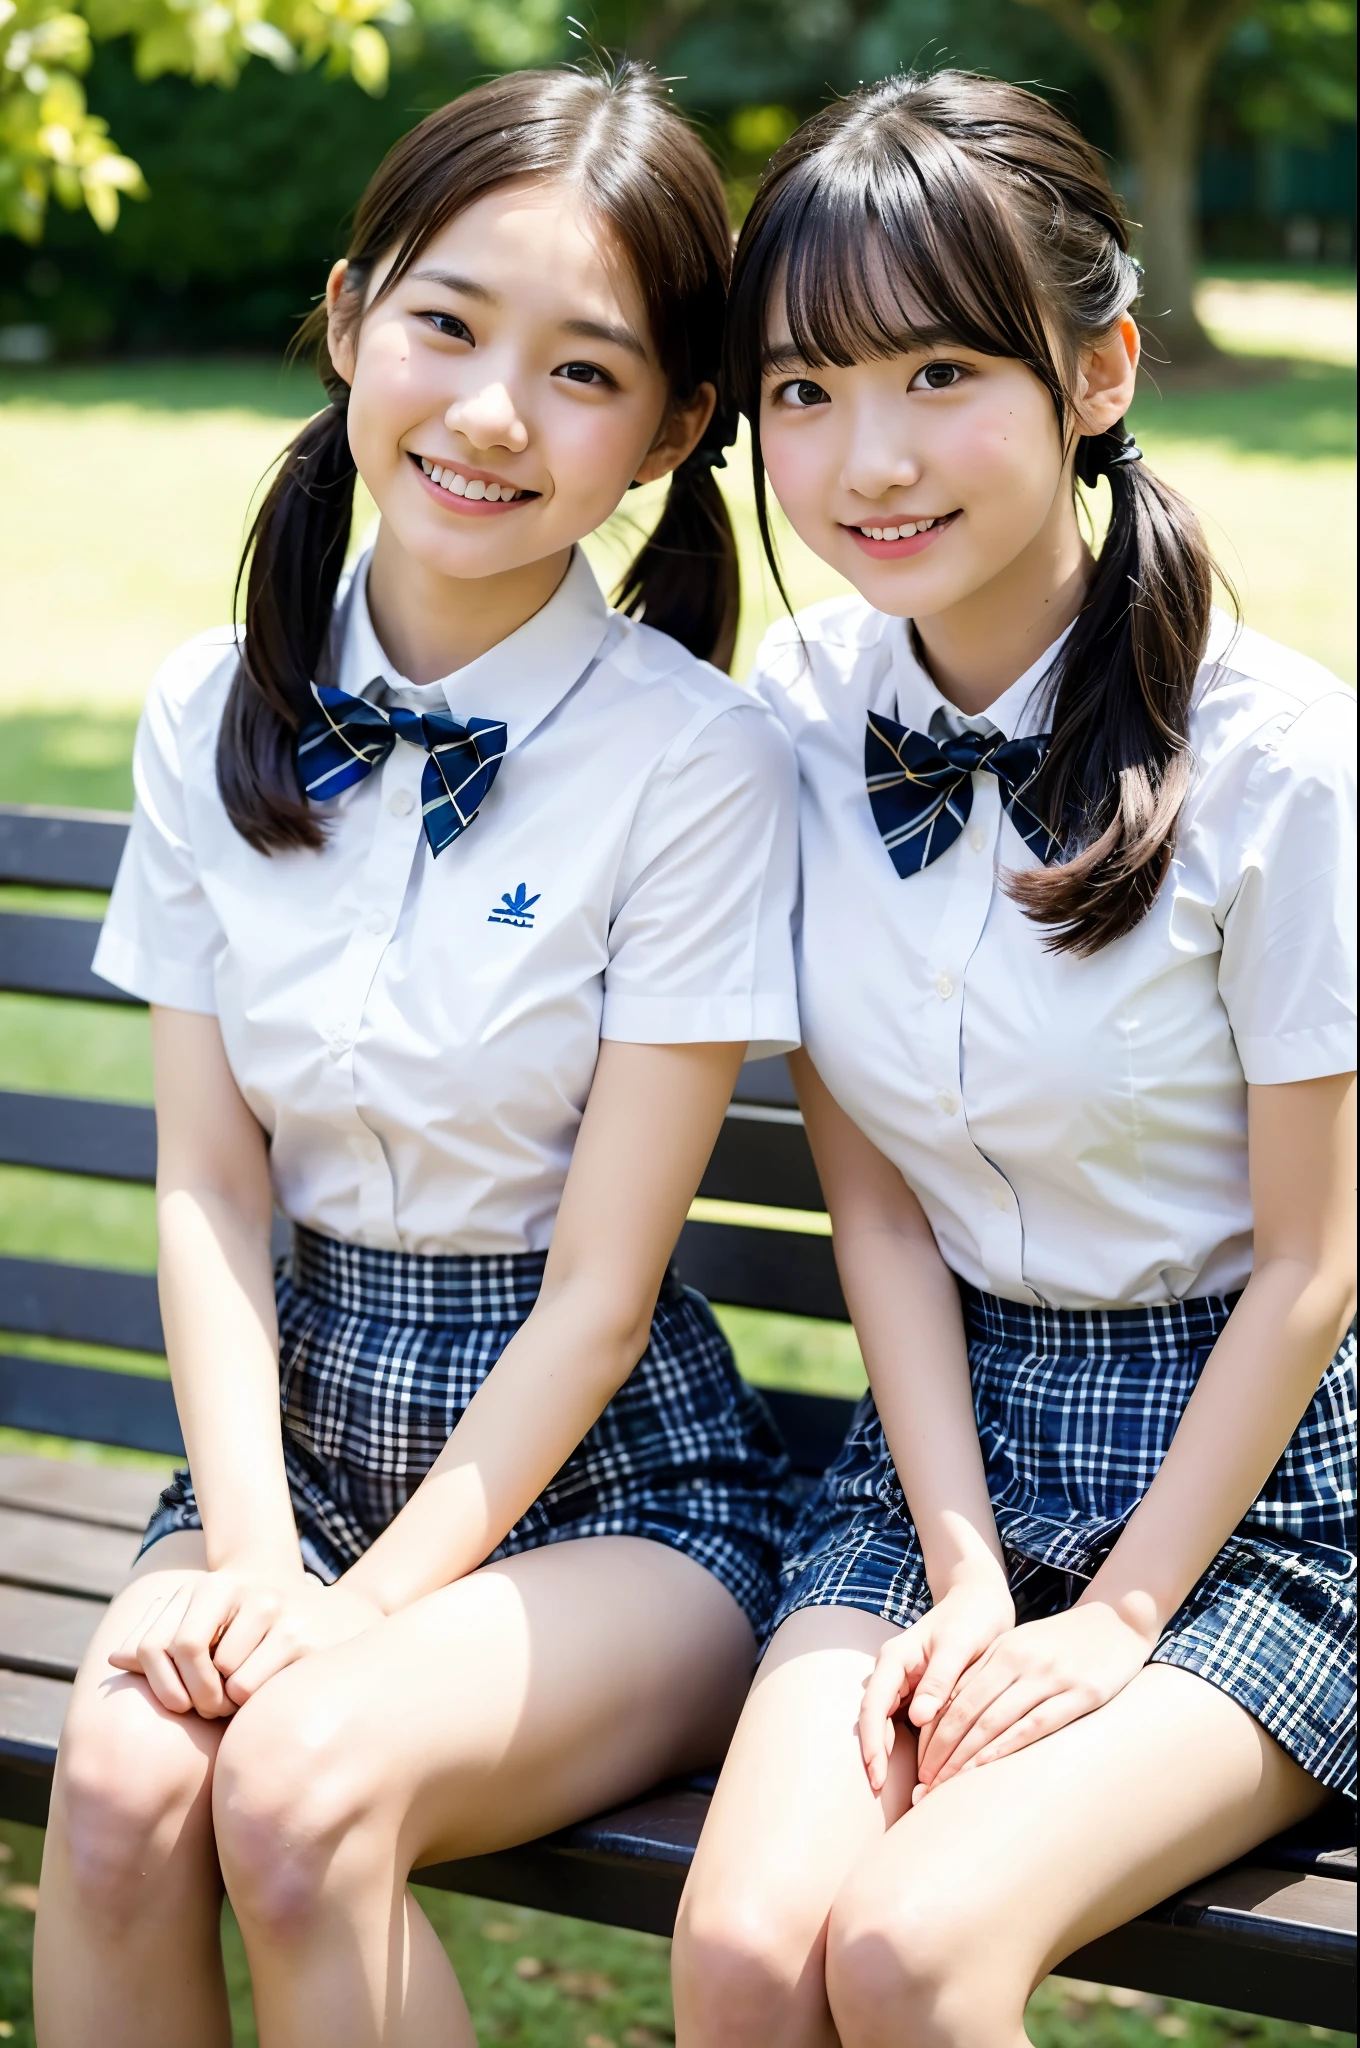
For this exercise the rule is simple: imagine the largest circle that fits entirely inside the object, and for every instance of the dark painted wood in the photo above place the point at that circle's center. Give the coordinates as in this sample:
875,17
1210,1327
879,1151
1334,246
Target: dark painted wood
45,1633
813,1426
66,1134
763,1157
45,848
32,1710
792,1272
81,1304
50,956
766,1081
63,1557
114,1496
89,1404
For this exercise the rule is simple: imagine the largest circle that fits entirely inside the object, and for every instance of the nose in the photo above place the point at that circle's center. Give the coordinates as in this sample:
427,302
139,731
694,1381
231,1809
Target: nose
489,418
877,458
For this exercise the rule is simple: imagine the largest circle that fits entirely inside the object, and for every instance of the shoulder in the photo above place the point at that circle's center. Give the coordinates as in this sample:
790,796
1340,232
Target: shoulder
709,717
194,679
824,663
1255,697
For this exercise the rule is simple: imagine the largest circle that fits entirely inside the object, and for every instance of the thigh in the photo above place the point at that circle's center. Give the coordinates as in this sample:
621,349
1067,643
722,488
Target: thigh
544,1687
793,1812
1043,1851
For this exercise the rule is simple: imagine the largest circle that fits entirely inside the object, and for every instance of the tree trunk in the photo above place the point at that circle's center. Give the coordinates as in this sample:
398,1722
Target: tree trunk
1164,146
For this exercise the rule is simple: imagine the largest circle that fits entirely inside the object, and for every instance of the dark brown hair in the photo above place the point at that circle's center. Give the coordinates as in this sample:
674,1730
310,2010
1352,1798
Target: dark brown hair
617,138
954,208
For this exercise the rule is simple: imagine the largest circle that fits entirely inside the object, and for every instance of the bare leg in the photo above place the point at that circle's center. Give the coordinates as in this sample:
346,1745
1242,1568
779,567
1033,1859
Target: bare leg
792,1815
525,1696
127,1950
945,1927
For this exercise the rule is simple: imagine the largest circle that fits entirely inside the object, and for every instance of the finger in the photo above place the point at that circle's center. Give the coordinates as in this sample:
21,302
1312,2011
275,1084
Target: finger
211,1608
1051,1714
889,1681
983,1682
280,1648
247,1629
127,1657
1028,1692
950,1657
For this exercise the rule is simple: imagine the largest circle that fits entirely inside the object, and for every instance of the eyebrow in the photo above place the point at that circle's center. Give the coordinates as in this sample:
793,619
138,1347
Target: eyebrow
467,286
785,357
606,330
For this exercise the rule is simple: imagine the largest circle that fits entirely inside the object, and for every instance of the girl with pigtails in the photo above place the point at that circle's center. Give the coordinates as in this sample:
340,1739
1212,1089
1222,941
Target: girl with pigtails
458,899
1070,1620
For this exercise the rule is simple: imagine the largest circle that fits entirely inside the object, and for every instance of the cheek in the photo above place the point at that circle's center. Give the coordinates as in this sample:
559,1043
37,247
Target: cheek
799,457
384,401
593,451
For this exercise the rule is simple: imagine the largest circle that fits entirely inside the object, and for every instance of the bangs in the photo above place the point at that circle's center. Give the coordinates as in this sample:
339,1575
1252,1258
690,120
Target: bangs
878,245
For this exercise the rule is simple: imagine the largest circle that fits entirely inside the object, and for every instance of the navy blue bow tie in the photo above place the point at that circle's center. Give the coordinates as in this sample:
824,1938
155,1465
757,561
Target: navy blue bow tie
346,738
922,793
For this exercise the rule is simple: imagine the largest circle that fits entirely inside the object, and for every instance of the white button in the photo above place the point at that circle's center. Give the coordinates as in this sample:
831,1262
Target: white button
1001,1198
376,921
977,838
401,802
944,987
337,1042
948,1101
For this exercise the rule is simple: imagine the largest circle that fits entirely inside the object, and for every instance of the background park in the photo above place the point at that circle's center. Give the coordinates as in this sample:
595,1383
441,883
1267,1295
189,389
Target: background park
174,181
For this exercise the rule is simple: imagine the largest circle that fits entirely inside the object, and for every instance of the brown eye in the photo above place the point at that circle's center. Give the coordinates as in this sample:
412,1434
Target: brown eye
939,376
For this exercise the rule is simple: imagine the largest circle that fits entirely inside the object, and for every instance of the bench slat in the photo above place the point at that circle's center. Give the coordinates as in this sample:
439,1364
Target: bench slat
42,847
114,1496
67,1134
762,1156
63,1557
791,1272
50,956
81,1304
768,1082
93,1406
813,1426
44,1633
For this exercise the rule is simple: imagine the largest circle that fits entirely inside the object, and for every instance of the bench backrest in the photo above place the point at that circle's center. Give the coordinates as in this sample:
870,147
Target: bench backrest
761,1158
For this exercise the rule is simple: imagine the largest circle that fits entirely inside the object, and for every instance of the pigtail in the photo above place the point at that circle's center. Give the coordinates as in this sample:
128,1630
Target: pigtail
1118,764
291,565
685,580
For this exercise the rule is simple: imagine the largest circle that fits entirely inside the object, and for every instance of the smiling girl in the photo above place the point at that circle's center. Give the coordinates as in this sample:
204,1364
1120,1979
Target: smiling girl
457,898
1069,1622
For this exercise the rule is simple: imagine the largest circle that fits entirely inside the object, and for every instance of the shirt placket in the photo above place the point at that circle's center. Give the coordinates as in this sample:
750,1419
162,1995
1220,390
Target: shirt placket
996,1209
397,840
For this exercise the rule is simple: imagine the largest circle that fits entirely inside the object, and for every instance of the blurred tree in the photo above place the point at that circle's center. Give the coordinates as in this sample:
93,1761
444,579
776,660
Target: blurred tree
1157,58
51,144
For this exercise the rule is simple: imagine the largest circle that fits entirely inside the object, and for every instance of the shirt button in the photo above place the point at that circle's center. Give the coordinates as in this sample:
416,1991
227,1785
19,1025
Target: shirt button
948,1101
400,803
977,838
376,921
337,1042
944,987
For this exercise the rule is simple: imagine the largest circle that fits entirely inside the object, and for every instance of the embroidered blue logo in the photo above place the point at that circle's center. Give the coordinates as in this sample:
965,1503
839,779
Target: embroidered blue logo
517,909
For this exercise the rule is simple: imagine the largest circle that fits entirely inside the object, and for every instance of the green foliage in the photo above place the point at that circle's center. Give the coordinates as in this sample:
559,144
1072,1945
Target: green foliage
1289,70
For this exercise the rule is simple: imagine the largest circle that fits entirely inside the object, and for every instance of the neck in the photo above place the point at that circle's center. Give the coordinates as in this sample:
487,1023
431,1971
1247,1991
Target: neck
977,648
428,625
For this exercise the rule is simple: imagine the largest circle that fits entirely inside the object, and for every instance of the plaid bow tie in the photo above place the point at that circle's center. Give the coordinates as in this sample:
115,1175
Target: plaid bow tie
347,737
921,793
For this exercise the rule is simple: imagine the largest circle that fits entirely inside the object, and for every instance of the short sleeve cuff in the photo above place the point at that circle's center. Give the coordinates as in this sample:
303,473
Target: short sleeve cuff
168,982
767,1024
1298,1055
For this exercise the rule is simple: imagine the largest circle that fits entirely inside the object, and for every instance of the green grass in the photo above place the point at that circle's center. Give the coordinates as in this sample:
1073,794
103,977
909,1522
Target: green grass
97,587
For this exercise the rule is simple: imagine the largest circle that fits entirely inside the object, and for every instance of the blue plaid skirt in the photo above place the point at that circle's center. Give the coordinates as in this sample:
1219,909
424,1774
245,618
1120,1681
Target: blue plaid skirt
1075,1412
380,1353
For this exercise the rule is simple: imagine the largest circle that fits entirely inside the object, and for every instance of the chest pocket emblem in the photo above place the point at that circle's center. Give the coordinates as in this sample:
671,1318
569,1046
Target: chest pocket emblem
517,909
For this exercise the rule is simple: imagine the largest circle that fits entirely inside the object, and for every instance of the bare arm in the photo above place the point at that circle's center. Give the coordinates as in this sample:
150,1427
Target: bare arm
904,1303
1257,1384
649,1126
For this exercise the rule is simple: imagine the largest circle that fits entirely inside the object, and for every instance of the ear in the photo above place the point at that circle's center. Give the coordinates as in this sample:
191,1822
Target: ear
339,327
1106,375
679,434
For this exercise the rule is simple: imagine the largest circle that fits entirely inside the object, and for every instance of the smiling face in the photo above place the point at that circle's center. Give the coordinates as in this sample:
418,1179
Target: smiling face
924,478
506,391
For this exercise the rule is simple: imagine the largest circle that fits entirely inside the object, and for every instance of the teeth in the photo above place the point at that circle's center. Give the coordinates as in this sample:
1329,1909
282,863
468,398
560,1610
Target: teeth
890,532
476,489
427,466
450,480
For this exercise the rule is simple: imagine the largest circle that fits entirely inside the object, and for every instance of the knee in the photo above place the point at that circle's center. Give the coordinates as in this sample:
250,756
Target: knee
899,1960
294,1803
132,1802
742,1966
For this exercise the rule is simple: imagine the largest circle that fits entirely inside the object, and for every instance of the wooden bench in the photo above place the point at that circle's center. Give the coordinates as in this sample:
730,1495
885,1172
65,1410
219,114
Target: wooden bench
1273,1935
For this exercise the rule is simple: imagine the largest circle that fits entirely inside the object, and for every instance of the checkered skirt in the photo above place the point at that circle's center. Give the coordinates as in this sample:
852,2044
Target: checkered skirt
1075,1412
380,1352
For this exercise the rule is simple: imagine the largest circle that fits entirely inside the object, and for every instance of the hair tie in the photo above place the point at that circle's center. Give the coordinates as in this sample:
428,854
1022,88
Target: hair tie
715,440
1099,454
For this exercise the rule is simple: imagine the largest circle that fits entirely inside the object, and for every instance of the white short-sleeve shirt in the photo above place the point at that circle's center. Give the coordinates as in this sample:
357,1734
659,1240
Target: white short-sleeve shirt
420,1058
1075,1129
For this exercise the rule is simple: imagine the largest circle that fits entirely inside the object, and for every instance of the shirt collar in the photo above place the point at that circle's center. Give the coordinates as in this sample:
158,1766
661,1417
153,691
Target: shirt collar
521,680
925,708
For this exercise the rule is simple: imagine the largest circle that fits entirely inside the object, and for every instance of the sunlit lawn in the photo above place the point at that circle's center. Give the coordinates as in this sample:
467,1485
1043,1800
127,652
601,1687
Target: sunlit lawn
123,495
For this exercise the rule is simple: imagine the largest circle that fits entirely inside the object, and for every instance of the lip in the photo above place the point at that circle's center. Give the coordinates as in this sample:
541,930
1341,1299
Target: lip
471,508
894,550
